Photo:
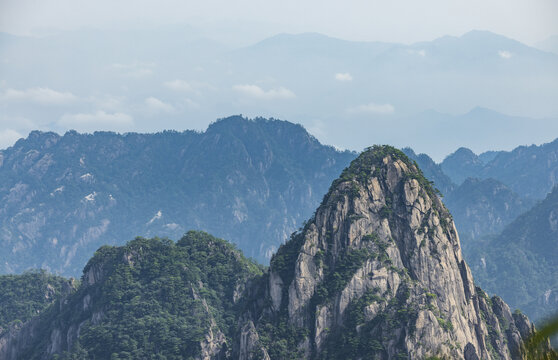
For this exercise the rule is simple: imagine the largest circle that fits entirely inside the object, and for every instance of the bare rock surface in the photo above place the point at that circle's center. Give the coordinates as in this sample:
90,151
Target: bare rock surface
378,273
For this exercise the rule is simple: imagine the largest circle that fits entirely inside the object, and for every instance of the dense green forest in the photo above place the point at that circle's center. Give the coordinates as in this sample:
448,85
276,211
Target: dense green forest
152,298
26,295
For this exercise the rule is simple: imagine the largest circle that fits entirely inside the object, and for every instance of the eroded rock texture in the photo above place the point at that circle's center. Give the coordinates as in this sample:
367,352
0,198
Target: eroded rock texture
378,273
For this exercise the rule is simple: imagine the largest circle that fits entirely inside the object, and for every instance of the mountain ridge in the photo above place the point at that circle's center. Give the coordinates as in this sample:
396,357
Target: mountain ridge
113,187
519,262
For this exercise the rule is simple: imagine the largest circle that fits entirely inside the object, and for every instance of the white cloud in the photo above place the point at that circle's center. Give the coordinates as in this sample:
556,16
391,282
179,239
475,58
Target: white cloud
157,105
107,102
505,54
373,108
19,123
40,95
8,137
343,77
259,93
420,52
179,85
191,104
135,70
97,121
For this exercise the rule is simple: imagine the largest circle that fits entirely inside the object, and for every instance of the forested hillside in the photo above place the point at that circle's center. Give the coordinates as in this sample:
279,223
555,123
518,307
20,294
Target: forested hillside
151,297
26,295
521,263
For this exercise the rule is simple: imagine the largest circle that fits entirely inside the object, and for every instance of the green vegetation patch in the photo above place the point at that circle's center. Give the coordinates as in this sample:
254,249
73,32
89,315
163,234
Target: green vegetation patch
155,298
339,276
26,295
361,339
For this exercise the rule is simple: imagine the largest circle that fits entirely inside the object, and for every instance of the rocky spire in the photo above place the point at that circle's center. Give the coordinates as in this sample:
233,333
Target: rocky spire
378,273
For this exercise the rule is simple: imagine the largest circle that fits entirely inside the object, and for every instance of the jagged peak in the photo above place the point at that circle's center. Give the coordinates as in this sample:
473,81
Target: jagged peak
376,160
382,183
382,244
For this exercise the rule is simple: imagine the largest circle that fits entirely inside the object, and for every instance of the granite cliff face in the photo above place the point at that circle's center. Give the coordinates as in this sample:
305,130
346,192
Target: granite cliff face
377,273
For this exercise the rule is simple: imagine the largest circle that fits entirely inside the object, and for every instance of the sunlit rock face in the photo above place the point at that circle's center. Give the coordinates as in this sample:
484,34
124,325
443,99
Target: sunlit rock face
378,273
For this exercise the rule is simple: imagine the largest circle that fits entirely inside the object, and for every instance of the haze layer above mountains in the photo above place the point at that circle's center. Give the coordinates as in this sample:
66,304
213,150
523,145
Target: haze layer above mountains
350,94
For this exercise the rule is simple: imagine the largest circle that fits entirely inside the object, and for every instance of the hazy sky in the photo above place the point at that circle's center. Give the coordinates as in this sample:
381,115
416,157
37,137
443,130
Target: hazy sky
165,74
406,21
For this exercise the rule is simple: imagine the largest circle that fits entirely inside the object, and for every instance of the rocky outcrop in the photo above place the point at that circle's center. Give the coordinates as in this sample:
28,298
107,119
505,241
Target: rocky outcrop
378,273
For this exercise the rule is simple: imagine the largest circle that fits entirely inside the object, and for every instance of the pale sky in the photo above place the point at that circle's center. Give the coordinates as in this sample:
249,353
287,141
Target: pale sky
404,21
154,79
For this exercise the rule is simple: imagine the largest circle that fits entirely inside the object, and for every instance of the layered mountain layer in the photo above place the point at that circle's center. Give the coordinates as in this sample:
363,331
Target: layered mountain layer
253,182
521,263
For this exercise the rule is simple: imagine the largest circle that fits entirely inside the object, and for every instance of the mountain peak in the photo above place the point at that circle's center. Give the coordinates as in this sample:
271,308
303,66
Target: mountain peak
476,33
375,273
384,162
461,164
463,151
489,37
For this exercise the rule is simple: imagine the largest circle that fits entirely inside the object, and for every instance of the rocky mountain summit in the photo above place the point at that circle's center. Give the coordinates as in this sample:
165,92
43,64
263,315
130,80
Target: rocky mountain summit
378,273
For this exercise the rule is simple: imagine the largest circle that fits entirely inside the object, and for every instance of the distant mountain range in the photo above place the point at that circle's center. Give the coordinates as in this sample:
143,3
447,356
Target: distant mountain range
482,207
347,93
520,263
251,181
550,44
530,171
